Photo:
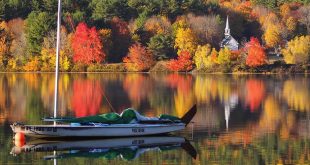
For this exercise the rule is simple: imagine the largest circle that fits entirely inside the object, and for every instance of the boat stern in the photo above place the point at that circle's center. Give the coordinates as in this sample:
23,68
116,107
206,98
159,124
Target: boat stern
16,127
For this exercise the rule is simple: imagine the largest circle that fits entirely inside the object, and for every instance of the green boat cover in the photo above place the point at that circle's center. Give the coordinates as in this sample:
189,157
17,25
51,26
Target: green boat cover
128,116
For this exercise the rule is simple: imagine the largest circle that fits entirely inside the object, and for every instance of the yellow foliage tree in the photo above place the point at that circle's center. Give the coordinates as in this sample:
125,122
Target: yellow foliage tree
224,56
179,23
272,35
48,60
185,40
297,50
12,65
202,56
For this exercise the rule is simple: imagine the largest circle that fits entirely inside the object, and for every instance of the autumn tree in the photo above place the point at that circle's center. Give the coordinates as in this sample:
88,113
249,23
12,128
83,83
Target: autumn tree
180,22
272,35
183,63
33,64
297,50
288,14
224,56
5,43
185,41
272,30
158,25
139,58
207,28
86,45
202,57
214,55
49,49
305,16
18,48
48,58
256,53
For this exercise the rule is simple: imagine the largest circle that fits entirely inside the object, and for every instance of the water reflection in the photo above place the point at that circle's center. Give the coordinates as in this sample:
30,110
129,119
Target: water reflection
127,148
250,118
87,97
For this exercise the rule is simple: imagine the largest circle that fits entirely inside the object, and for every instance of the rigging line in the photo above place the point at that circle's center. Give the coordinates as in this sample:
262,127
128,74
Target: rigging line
106,98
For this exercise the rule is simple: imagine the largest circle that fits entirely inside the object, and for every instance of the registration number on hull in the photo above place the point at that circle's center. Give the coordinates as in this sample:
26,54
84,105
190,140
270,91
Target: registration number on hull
49,129
137,130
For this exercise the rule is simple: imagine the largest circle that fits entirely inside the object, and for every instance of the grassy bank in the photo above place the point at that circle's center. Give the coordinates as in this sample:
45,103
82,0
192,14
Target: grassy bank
161,66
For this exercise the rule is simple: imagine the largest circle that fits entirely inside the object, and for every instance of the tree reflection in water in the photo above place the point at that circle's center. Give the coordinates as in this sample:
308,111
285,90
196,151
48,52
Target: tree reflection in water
269,116
87,97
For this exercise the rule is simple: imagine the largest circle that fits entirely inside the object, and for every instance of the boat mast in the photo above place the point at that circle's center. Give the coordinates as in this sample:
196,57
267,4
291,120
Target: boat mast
57,59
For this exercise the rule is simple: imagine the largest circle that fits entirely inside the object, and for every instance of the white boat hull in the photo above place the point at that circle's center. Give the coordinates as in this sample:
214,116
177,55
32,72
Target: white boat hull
105,130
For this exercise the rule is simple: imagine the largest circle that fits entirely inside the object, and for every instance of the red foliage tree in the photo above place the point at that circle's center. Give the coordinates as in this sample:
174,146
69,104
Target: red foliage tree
139,58
87,96
182,63
86,45
256,53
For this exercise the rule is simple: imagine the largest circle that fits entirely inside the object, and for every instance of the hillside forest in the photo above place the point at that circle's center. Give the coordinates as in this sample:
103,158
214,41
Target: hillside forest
146,35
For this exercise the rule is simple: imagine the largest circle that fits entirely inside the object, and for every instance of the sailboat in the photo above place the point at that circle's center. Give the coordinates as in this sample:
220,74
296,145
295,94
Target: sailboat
101,125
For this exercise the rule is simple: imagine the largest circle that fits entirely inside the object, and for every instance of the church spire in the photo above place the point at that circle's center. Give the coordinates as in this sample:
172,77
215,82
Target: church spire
227,29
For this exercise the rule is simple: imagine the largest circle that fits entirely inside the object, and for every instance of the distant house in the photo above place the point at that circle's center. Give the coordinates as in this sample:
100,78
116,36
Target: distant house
228,40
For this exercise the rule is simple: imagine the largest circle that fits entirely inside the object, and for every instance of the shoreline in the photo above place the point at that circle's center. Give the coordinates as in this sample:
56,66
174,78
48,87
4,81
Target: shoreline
160,68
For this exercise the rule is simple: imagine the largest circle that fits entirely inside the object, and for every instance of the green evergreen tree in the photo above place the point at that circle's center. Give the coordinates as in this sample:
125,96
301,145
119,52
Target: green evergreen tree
161,46
3,6
107,9
37,26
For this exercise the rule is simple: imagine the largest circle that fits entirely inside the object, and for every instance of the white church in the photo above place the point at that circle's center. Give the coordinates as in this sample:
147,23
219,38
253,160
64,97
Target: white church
228,40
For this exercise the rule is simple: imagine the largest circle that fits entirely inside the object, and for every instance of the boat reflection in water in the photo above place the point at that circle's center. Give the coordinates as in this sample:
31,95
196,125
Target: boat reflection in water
127,148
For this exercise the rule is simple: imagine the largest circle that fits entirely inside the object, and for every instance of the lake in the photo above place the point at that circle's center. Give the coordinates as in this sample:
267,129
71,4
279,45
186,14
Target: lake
241,119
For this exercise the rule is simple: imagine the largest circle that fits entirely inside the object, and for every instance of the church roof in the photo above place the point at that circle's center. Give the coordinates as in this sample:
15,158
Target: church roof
227,40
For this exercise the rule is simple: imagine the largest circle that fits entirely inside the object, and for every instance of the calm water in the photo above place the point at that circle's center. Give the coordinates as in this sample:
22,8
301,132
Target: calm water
240,120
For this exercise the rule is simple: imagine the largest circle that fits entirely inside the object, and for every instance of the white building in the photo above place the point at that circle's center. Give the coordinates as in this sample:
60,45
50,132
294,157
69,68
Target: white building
228,40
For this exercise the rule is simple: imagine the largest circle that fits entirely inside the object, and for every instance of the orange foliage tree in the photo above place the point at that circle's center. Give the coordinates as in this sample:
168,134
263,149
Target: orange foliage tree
256,54
86,45
87,97
182,63
139,58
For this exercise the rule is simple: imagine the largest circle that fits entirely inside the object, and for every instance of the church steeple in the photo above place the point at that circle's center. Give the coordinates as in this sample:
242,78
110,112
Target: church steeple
227,29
